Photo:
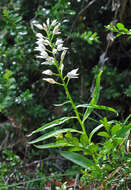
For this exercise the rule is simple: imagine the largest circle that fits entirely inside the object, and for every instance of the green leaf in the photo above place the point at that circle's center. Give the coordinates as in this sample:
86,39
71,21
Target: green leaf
126,120
100,107
121,27
107,125
84,140
52,145
52,124
124,131
75,148
103,134
67,102
115,129
95,98
72,140
53,134
97,128
77,159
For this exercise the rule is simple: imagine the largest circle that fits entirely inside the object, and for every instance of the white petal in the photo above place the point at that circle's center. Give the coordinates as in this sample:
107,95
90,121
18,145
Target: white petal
39,35
60,47
48,22
39,56
46,42
54,22
51,60
45,27
54,51
47,72
62,67
40,41
73,74
40,48
44,54
45,63
59,41
39,26
50,80
56,29
63,55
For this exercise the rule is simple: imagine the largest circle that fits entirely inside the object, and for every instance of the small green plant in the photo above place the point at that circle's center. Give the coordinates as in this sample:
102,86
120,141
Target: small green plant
63,187
7,169
7,88
100,160
119,29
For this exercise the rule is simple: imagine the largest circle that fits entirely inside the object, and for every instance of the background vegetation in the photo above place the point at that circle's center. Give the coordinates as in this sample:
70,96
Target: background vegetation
26,101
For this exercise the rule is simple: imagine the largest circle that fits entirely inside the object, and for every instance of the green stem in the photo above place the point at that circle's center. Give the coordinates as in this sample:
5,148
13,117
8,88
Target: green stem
66,88
70,98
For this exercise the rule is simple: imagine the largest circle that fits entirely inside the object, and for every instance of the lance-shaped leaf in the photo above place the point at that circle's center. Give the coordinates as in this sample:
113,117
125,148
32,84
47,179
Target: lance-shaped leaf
94,99
52,124
100,107
97,128
62,104
52,145
124,131
77,159
53,134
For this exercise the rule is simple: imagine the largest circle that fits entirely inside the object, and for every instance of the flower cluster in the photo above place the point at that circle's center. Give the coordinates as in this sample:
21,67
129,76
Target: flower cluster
48,49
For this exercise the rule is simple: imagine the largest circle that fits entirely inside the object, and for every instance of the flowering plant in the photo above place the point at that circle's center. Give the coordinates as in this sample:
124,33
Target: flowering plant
49,47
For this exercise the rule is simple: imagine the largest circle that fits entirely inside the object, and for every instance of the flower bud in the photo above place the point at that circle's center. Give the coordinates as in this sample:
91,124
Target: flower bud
39,35
39,26
63,55
47,72
45,27
54,22
48,22
50,80
61,68
56,29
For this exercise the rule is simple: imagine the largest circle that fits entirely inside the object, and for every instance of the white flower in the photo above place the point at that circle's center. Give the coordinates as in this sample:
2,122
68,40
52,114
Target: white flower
40,48
45,63
59,41
50,80
40,41
43,54
45,27
73,74
56,29
49,61
54,51
39,56
48,22
47,72
60,47
63,55
39,26
39,35
46,42
54,22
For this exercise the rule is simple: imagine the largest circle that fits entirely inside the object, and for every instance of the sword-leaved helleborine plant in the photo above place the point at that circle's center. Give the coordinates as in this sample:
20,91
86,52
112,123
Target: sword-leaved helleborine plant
99,160
52,52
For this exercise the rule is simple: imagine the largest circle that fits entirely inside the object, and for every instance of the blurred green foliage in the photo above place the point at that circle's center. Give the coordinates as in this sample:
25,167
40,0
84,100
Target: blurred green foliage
83,34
